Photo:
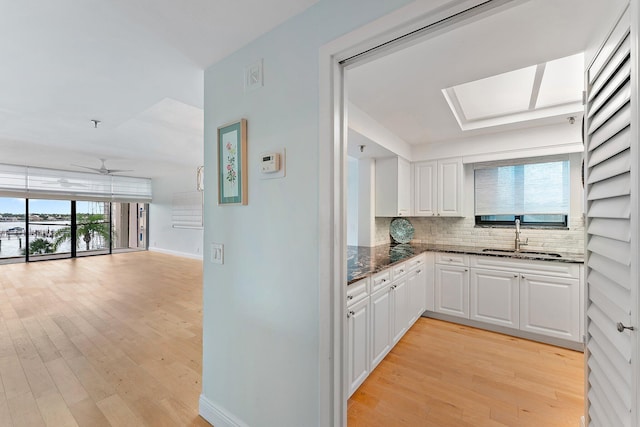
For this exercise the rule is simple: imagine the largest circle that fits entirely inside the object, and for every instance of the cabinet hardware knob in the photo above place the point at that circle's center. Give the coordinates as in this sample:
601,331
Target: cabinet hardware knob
401,271
522,275
349,297
621,327
516,276
419,271
350,313
466,269
384,280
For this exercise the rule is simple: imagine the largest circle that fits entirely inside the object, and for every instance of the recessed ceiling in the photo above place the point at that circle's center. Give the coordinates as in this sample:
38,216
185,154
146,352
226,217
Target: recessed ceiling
136,65
539,91
402,91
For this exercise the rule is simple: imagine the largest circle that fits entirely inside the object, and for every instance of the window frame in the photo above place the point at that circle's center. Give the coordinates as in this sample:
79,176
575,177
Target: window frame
479,222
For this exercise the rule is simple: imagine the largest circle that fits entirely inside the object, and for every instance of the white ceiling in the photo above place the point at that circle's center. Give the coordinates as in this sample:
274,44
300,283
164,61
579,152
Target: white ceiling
403,90
136,65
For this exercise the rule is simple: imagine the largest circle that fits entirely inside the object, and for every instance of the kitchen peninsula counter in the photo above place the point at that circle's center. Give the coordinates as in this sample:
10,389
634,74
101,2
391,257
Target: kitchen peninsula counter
363,261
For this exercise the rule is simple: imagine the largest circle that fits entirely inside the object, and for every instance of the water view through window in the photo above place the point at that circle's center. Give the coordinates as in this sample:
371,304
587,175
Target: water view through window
49,221
12,227
37,229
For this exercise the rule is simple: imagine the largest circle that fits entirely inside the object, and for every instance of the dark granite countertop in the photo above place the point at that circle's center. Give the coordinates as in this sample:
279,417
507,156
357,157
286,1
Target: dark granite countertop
363,261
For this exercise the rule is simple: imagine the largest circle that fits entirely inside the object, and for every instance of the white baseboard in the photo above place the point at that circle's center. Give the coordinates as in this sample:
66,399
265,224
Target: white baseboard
176,253
218,416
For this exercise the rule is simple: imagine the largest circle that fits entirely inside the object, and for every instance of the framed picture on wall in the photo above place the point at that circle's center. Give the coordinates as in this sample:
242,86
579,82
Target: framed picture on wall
232,163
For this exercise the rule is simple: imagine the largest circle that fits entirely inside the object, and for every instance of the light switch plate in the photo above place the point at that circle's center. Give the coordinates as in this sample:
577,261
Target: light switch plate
253,78
217,253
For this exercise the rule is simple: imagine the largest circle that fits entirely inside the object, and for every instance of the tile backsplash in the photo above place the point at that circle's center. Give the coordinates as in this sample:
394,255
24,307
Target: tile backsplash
462,231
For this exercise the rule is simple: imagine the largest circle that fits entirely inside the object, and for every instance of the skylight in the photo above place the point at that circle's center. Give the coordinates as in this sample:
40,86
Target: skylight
496,96
544,90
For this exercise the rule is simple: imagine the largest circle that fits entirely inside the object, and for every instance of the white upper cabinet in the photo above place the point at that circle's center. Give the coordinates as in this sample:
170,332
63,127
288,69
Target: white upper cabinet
426,188
393,187
450,187
438,188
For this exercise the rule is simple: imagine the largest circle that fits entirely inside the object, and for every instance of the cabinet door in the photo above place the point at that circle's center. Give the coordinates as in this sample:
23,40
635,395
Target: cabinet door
416,294
404,187
358,341
452,290
495,297
450,187
399,309
425,189
381,321
550,306
393,187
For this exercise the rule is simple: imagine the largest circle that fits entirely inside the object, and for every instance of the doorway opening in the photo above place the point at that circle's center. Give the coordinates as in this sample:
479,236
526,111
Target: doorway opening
341,88
129,222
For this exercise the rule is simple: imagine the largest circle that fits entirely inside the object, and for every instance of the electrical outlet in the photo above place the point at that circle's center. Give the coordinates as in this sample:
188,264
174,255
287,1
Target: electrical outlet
217,253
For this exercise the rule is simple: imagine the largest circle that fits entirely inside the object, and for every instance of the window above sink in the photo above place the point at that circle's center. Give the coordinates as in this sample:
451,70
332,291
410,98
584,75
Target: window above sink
537,194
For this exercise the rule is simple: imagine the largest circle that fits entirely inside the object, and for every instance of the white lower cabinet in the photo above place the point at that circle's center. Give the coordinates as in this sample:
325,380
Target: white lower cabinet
381,309
381,324
416,293
359,361
550,306
540,297
452,290
495,297
400,309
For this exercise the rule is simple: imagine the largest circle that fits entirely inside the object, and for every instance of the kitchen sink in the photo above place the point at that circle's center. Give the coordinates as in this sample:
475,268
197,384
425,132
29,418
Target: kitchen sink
522,253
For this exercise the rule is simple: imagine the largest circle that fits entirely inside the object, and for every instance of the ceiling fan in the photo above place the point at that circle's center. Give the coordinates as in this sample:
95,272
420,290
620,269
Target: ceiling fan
103,170
63,182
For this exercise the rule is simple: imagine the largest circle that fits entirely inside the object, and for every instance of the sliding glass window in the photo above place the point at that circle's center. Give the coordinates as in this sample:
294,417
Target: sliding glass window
41,229
93,228
12,229
49,229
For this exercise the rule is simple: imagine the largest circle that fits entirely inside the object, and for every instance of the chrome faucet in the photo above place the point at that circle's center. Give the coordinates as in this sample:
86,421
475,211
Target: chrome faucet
518,242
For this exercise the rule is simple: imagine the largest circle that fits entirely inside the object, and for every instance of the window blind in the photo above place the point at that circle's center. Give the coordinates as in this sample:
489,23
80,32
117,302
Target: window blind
523,189
42,183
187,210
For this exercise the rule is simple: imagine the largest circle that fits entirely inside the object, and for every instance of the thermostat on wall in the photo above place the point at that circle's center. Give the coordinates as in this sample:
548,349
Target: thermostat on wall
272,164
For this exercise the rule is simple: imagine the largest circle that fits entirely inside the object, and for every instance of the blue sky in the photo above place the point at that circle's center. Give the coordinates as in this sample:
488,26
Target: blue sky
10,205
16,206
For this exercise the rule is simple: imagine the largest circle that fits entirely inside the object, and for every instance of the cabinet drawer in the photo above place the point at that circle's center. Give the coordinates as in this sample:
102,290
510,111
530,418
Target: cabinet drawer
380,279
357,291
452,259
399,270
526,266
416,261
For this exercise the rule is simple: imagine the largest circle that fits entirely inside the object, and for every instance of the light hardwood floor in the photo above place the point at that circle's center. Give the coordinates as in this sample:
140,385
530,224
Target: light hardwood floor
442,374
117,341
101,341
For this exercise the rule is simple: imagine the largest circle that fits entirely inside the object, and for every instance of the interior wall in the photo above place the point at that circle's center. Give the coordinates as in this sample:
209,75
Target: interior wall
261,307
366,202
509,144
162,236
352,201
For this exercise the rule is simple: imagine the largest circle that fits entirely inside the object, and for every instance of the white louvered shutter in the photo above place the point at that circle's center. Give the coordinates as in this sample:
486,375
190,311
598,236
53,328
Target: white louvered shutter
610,166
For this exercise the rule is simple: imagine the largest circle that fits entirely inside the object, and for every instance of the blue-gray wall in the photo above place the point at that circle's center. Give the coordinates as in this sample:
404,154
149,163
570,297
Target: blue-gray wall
261,317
